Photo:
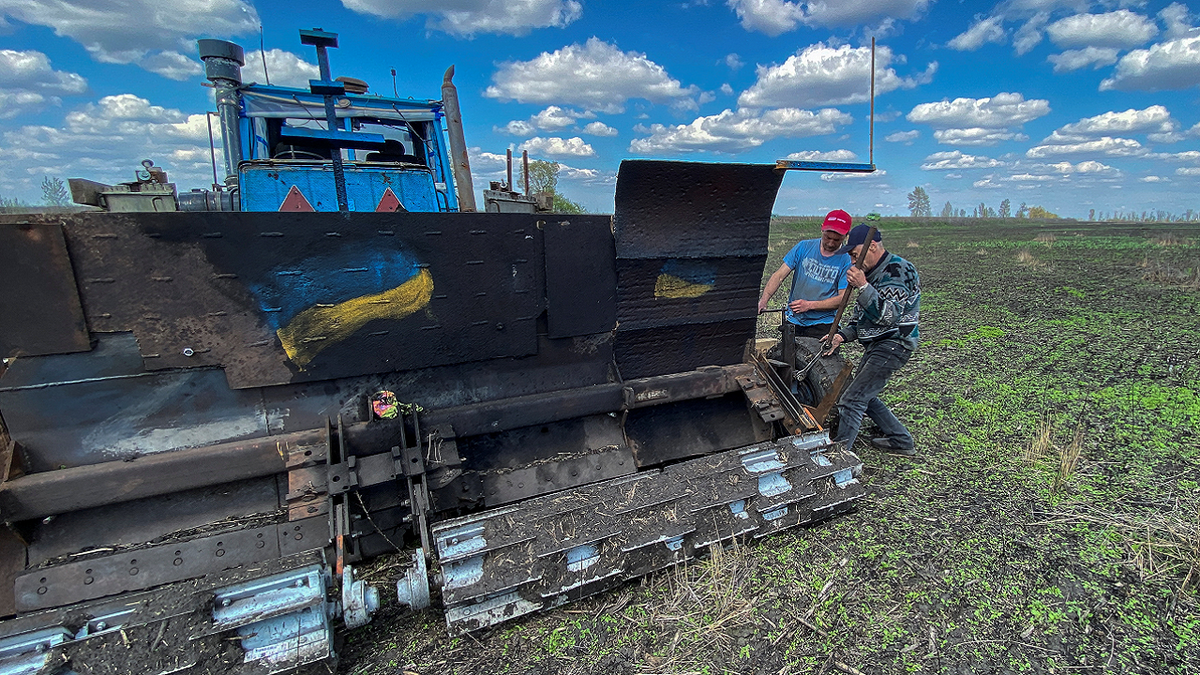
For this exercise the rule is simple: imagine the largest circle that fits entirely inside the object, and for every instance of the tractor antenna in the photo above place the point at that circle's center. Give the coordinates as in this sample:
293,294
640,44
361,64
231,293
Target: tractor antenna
262,51
394,92
871,145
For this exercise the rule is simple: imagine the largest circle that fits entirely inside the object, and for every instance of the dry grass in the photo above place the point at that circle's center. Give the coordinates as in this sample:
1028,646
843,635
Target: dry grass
1068,459
1039,448
1027,259
912,244
1160,544
1046,238
1161,272
1170,239
982,251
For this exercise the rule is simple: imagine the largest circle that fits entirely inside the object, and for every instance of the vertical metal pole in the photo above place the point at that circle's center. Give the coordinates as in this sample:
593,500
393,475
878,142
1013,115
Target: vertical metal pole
459,161
212,150
872,141
339,175
509,186
525,169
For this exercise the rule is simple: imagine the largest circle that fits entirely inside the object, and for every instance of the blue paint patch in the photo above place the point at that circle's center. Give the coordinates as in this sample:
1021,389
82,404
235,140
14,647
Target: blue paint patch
330,279
701,272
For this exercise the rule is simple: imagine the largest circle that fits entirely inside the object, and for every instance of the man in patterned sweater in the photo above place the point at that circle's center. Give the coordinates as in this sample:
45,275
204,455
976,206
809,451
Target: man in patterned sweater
885,322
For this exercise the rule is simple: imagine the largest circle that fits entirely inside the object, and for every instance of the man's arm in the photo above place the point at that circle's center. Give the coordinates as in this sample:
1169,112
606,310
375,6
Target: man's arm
773,285
884,303
802,305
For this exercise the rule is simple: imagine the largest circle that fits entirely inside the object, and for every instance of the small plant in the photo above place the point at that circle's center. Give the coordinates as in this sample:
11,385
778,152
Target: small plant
1026,258
1069,459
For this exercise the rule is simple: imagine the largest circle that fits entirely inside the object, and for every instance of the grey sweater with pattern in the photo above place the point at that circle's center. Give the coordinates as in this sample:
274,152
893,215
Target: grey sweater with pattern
889,306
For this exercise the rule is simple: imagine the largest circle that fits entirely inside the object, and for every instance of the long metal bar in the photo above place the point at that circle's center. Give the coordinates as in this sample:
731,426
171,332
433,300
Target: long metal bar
872,141
52,492
331,122
862,256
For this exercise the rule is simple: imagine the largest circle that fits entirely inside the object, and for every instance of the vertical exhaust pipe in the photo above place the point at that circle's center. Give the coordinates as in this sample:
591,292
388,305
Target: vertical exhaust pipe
458,144
525,169
509,184
223,63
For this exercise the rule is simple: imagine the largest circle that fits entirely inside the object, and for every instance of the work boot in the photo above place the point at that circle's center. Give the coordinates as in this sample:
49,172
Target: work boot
889,446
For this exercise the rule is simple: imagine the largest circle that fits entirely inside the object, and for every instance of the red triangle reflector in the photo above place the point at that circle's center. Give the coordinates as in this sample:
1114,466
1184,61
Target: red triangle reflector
295,202
389,202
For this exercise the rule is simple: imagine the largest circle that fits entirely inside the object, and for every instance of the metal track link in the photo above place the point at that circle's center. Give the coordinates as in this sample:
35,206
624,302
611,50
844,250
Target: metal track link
561,547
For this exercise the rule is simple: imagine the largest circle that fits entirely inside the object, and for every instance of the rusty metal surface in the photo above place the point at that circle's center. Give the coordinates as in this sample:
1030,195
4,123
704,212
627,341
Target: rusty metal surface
278,298
117,410
40,311
144,568
579,288
686,346
689,429
135,522
691,241
692,210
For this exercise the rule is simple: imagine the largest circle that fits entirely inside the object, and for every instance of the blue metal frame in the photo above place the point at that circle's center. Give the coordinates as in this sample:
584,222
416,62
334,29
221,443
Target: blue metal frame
811,165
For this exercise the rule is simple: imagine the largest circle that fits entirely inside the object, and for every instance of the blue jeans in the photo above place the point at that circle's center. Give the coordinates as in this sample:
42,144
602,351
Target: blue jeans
862,395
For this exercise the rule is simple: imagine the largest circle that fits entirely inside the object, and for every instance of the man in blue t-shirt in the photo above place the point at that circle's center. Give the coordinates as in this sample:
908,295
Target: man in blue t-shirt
820,279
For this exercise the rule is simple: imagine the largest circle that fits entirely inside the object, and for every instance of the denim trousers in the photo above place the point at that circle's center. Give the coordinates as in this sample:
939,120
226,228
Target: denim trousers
861,397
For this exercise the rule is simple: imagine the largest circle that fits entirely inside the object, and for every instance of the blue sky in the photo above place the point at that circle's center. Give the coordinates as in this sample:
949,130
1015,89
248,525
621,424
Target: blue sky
1068,104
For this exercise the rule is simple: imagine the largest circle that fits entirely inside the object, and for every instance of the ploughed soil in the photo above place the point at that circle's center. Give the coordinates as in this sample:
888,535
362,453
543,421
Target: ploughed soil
1049,524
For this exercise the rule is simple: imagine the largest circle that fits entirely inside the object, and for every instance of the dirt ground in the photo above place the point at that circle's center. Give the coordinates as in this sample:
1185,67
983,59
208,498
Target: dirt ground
1050,523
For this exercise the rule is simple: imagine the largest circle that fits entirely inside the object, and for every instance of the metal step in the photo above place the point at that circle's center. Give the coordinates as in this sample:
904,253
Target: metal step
547,551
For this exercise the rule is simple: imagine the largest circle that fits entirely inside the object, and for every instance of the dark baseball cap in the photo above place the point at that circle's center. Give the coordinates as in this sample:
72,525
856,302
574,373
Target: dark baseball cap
856,238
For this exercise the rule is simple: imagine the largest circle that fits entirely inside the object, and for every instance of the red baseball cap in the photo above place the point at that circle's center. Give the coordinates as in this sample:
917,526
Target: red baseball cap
838,221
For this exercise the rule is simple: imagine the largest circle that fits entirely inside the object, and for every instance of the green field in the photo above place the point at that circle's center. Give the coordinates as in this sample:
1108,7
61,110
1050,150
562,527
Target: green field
1050,524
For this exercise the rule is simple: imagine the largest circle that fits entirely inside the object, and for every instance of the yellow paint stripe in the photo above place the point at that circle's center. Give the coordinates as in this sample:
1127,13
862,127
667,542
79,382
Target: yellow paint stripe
671,286
318,327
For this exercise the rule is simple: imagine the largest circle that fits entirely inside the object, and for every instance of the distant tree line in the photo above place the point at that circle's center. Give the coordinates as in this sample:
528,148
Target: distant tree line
918,205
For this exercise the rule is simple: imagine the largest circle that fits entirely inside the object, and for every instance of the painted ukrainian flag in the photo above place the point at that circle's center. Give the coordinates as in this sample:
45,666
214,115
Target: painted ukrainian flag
321,301
685,279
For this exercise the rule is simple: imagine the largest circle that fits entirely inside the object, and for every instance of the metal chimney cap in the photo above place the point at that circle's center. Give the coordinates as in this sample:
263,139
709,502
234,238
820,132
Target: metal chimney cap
221,49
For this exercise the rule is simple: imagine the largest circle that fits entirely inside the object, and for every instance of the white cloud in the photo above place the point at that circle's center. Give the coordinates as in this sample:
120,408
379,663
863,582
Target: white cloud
734,132
1189,156
976,136
1029,35
824,155
1121,29
595,75
1187,171
847,175
726,89
980,33
558,147
1167,65
955,159
599,128
285,68
820,75
516,128
1074,59
28,82
154,34
552,119
1153,179
1106,146
468,17
1178,20
998,112
105,141
906,137
774,17
734,61
1155,118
